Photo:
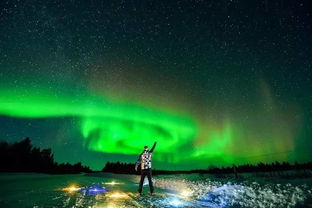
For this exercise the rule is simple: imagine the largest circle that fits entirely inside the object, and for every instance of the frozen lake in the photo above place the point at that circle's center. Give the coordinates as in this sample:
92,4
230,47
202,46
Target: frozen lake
110,190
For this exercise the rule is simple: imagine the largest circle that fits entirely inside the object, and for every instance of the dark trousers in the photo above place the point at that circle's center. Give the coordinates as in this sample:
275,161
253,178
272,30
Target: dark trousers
148,173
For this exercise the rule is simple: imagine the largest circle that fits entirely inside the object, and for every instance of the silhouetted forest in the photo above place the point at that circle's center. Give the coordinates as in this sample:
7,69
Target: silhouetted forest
23,157
117,167
262,167
128,168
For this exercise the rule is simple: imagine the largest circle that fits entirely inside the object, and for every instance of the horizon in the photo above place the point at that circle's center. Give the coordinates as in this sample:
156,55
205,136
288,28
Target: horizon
209,167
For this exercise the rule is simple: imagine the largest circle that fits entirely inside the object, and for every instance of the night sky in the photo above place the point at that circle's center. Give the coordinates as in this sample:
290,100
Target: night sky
214,82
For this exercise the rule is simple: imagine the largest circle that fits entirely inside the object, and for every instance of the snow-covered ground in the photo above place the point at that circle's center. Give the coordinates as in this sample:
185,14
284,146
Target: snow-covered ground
110,190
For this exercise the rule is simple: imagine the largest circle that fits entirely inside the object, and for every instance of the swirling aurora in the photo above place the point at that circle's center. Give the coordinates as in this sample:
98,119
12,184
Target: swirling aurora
123,128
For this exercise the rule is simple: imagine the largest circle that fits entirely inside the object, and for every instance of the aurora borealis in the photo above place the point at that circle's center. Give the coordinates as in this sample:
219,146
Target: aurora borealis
214,83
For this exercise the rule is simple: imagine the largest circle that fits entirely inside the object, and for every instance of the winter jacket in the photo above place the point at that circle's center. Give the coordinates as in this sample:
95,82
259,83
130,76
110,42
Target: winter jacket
145,159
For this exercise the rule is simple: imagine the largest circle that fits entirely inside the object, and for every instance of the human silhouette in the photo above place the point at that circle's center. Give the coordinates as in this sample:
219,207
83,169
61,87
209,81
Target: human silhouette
145,160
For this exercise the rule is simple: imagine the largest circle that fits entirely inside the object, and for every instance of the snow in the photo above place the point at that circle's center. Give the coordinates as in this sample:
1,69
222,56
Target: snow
35,190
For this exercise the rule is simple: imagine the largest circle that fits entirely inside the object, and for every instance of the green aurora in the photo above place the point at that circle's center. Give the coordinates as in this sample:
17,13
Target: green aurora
124,128
107,127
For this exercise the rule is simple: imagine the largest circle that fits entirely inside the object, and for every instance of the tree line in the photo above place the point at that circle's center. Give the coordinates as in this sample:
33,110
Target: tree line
23,157
128,168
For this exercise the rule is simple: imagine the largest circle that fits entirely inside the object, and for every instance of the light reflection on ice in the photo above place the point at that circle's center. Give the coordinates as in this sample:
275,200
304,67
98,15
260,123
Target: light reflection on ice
170,191
209,193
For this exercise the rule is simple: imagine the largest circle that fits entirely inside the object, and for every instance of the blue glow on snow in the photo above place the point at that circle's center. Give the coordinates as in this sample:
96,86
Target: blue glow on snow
94,190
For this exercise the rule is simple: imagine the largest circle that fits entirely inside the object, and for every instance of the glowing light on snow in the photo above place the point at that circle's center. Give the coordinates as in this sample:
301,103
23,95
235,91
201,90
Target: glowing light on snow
71,189
175,202
186,193
117,195
94,190
113,183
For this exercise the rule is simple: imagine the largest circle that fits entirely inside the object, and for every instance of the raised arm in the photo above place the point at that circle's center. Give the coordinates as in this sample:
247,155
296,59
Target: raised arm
152,150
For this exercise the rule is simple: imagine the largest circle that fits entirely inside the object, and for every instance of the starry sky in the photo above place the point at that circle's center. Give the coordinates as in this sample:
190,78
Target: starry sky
213,82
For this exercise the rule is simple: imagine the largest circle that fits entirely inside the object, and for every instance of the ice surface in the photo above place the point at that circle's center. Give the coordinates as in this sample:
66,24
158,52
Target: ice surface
39,190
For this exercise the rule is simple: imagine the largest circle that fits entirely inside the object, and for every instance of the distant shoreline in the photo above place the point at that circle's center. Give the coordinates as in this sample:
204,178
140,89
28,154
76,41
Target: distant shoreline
283,175
260,169
22,157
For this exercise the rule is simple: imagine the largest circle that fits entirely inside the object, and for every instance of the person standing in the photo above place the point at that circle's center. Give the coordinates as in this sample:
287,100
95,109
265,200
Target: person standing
145,160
